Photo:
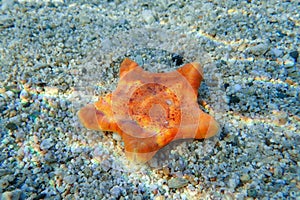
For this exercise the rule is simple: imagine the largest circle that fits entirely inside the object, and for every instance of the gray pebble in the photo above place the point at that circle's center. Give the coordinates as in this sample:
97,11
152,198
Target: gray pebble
70,179
237,87
245,177
4,172
63,105
278,171
84,19
115,191
7,4
276,52
139,60
177,182
259,49
234,181
49,157
137,197
294,193
294,55
60,189
252,192
4,182
11,195
46,144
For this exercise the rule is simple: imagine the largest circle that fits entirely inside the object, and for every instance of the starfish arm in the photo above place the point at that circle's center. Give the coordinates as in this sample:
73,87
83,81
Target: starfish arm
126,66
99,116
207,127
193,73
88,117
140,150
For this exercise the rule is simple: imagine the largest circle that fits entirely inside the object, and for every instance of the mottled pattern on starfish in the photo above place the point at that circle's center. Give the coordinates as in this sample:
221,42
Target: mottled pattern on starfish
149,110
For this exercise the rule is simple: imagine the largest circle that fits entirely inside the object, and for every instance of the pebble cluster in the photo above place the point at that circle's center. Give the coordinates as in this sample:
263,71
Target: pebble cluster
56,56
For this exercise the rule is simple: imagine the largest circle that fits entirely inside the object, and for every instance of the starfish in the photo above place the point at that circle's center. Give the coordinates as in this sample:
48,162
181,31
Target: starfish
149,110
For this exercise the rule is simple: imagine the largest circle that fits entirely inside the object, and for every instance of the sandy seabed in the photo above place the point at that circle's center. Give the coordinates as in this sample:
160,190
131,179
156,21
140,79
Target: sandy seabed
56,56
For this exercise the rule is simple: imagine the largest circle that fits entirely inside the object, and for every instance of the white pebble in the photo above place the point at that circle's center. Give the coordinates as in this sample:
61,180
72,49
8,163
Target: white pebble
10,94
24,95
237,87
148,16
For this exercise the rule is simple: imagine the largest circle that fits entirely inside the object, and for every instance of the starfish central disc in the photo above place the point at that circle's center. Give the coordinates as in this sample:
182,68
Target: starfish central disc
155,107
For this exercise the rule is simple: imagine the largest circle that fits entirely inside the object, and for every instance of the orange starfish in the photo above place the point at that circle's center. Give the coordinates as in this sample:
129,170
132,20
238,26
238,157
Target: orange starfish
149,110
